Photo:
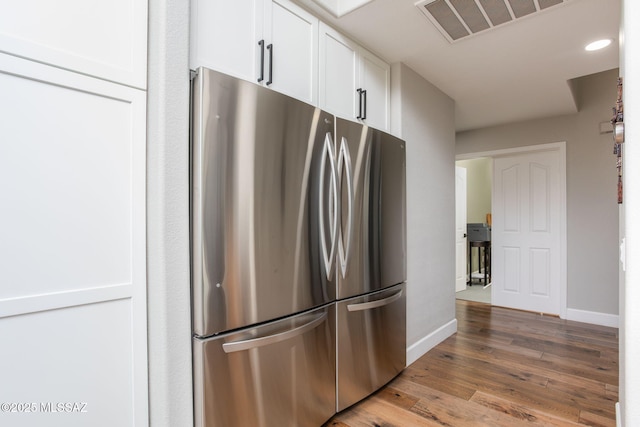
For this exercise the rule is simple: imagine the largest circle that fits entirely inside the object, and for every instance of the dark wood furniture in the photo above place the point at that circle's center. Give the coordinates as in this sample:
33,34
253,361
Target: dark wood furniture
484,255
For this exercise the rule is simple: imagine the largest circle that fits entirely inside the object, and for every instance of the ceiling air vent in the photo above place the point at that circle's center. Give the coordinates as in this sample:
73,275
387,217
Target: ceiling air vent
457,19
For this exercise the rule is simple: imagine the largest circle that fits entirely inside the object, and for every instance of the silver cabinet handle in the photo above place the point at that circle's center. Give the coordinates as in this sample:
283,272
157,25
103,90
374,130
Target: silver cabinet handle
374,304
328,255
344,160
232,347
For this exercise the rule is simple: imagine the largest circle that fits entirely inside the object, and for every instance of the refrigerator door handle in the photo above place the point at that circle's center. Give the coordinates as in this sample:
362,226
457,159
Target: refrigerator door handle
243,345
328,255
374,304
344,160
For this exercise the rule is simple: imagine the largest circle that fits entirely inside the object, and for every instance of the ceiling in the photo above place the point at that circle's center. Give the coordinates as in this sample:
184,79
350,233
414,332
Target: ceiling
513,72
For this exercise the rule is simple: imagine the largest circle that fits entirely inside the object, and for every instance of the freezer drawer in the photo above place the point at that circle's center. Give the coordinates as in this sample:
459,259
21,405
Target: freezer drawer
371,343
278,374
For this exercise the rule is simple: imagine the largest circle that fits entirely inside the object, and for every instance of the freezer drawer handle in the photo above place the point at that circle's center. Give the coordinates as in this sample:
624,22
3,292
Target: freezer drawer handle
232,347
374,304
327,151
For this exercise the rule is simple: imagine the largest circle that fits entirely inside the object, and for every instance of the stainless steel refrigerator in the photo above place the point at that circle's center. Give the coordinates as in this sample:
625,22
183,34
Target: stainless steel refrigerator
298,257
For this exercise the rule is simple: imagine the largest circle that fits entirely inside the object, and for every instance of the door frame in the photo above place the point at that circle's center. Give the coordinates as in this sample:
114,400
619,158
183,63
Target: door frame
561,148
461,264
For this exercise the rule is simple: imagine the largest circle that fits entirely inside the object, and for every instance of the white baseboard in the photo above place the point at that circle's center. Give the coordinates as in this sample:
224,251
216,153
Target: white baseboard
417,350
618,416
593,317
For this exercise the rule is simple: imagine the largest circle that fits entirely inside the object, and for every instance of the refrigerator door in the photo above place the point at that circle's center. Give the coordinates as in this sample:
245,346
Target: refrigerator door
388,223
372,239
371,343
254,204
278,374
353,153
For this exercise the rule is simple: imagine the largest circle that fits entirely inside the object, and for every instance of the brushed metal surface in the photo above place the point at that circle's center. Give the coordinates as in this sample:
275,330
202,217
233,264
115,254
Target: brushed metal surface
374,304
371,343
388,222
376,222
291,209
256,252
251,343
328,206
353,143
288,383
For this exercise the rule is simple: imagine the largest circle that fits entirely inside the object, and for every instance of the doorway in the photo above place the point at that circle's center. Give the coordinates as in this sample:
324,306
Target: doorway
475,207
528,206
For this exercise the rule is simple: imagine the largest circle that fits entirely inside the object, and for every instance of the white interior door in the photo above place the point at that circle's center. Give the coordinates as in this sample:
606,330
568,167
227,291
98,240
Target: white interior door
461,228
528,225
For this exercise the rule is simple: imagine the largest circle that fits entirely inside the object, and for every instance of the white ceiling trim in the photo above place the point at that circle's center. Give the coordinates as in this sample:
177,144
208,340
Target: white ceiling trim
340,8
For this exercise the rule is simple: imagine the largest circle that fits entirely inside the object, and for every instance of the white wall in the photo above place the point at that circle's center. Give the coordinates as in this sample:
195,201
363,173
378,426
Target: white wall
592,210
170,387
423,116
629,331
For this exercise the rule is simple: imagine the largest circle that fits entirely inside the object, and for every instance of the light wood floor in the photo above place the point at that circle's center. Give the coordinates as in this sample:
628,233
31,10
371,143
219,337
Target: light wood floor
502,368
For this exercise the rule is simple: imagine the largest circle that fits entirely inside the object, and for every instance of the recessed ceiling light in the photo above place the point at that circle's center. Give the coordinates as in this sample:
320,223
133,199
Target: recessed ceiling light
598,44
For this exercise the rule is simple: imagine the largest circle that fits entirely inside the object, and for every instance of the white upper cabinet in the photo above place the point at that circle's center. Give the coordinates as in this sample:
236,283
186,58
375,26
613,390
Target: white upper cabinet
277,44
339,74
225,35
354,83
375,82
270,42
104,39
294,51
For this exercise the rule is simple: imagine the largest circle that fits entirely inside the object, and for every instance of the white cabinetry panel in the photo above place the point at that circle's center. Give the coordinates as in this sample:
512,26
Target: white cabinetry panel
294,36
225,35
71,162
106,39
72,245
353,83
78,355
339,73
270,42
375,79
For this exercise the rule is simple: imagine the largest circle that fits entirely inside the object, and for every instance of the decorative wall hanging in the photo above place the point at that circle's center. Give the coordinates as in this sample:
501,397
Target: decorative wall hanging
618,136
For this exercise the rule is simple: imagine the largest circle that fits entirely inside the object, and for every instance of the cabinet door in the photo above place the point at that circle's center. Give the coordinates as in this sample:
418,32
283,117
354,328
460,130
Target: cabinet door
72,179
374,78
339,72
292,58
104,39
225,35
